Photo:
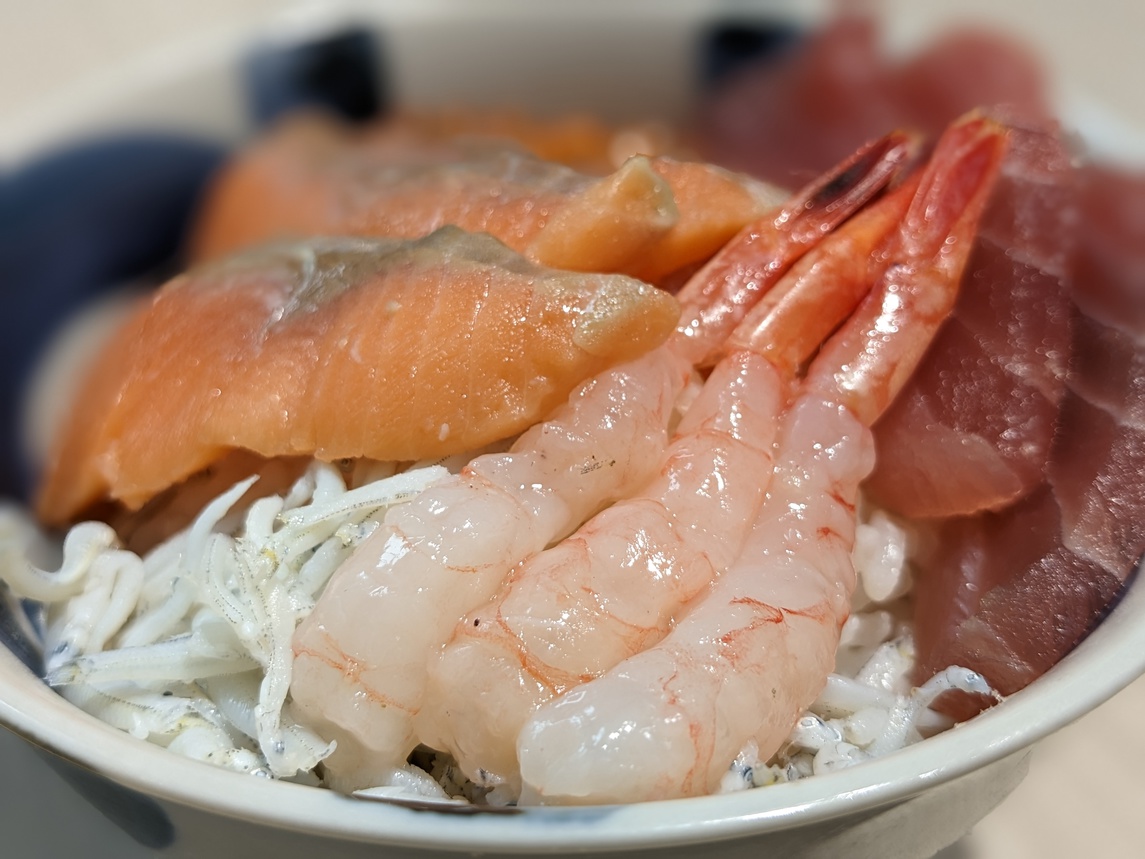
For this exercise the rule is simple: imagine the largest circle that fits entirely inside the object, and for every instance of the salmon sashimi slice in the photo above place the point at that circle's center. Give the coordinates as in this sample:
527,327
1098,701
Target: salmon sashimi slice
311,176
339,348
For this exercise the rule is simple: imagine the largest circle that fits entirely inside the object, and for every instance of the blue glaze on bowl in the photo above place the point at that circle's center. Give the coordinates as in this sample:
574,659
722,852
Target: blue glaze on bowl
73,225
340,72
729,45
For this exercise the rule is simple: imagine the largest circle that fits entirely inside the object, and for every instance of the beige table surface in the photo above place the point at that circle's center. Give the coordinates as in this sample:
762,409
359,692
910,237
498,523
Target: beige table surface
1084,793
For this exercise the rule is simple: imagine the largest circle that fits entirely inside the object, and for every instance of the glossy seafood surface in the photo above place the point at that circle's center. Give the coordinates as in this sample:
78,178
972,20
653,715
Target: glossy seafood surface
342,348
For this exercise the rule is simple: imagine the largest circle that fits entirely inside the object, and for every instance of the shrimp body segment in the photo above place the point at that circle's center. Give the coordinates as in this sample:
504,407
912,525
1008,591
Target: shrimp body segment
360,656
613,588
755,648
744,662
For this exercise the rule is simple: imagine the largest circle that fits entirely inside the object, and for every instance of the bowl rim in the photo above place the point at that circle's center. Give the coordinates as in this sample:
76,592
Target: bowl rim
1107,661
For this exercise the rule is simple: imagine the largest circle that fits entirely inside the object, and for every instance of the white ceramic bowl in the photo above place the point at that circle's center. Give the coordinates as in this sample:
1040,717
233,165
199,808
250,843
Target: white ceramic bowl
909,804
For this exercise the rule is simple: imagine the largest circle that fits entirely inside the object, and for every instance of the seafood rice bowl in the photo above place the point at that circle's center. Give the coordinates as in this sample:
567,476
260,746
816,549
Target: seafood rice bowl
598,480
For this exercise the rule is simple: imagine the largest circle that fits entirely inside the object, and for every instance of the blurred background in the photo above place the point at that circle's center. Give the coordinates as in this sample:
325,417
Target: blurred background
1082,793
61,43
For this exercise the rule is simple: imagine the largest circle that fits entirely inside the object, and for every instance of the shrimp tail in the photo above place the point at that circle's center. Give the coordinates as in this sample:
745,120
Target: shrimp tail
843,190
616,586
722,292
789,324
868,361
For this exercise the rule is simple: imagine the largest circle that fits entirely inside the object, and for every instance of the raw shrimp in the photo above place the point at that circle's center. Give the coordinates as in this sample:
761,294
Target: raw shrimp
341,348
313,177
614,588
750,654
361,657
